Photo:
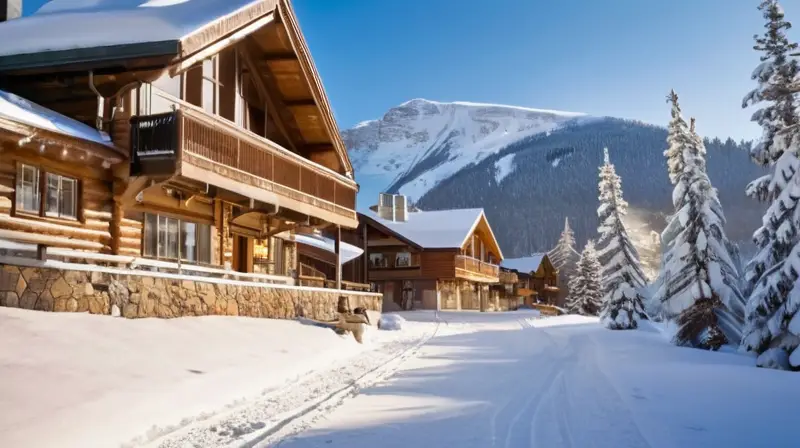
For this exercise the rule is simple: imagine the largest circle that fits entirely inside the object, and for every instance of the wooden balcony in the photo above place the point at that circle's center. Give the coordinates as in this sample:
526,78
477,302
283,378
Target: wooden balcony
476,270
191,143
508,277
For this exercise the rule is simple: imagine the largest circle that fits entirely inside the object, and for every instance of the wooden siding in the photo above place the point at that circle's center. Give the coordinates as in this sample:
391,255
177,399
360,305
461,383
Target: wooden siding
92,228
438,264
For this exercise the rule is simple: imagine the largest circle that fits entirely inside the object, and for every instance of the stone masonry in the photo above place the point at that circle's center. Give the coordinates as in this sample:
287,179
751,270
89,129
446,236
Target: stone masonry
145,296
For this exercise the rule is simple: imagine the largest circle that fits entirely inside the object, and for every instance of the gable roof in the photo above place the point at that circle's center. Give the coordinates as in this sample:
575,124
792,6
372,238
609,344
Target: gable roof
75,24
177,32
524,264
440,229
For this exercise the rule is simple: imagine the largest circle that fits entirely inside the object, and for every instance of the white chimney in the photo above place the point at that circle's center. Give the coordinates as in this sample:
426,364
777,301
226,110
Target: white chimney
10,9
386,206
400,208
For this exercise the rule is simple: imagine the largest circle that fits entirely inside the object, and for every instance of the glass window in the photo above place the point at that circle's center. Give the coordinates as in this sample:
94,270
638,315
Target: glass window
171,238
28,188
211,85
62,195
150,235
188,241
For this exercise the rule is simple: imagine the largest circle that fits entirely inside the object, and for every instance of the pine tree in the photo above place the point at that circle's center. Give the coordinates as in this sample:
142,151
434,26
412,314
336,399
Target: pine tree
700,289
622,274
772,328
585,288
565,259
679,138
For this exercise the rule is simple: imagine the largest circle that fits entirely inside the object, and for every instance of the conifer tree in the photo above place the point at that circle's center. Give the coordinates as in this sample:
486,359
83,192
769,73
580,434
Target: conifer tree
772,327
565,259
585,288
621,273
700,290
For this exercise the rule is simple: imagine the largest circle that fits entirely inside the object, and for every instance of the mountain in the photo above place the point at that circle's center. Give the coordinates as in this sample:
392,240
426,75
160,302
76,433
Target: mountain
529,169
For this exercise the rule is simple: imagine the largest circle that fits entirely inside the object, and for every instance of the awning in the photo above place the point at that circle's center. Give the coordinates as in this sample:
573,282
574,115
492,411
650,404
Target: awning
348,251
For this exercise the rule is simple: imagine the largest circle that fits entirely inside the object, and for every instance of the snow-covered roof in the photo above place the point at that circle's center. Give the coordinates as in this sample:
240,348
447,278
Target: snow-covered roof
349,252
20,110
72,24
441,229
524,264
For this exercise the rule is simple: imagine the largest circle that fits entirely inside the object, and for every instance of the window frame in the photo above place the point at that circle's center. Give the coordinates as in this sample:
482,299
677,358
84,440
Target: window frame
214,79
162,250
42,187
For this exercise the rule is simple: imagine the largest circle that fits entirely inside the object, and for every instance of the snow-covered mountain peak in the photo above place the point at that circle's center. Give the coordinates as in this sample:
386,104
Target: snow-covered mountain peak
420,142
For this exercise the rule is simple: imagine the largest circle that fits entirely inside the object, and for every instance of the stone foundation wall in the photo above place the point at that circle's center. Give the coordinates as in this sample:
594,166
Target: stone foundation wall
144,296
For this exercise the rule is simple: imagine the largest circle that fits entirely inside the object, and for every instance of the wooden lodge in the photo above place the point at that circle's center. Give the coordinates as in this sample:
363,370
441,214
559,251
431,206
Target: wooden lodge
176,135
537,281
430,259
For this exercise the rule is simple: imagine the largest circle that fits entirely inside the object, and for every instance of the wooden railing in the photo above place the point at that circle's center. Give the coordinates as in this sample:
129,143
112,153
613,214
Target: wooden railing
476,266
190,132
508,277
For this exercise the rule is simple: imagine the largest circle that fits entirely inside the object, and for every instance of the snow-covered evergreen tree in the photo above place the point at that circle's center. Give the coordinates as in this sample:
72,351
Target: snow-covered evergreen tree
622,275
772,328
679,139
585,288
565,259
564,252
700,289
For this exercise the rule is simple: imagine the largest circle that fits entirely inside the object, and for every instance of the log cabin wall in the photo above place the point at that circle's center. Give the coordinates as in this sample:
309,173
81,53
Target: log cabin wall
84,224
438,264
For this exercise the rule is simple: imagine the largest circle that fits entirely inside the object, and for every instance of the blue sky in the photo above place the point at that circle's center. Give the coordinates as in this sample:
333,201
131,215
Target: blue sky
616,58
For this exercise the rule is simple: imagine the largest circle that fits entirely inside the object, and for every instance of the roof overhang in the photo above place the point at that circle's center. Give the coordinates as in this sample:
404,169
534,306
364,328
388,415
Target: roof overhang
383,229
478,220
90,58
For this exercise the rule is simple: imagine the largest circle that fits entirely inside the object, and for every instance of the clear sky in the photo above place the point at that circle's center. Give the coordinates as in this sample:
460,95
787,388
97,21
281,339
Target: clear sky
602,57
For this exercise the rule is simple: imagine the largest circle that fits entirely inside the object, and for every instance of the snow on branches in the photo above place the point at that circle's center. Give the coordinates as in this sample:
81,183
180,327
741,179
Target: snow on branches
622,274
585,288
772,327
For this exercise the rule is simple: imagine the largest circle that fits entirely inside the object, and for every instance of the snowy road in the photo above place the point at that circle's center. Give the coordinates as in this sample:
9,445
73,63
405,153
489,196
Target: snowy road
558,383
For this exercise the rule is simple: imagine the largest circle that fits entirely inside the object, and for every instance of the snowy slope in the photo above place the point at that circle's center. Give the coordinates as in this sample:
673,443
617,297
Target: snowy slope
420,143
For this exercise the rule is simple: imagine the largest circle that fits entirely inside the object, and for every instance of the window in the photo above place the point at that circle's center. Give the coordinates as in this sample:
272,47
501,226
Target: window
402,260
174,239
377,260
156,98
61,193
211,85
28,188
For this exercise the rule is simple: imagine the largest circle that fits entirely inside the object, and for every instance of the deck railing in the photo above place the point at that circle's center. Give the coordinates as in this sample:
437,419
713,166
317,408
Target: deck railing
476,266
158,141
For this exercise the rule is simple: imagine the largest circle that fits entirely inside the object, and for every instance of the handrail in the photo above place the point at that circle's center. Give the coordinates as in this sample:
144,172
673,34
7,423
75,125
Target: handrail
134,262
256,139
480,266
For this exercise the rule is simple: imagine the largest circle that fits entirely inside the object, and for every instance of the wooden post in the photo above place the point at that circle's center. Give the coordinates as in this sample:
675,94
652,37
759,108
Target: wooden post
338,250
366,255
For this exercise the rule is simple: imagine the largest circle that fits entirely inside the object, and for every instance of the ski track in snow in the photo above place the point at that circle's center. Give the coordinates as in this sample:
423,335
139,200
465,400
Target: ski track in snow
295,406
541,403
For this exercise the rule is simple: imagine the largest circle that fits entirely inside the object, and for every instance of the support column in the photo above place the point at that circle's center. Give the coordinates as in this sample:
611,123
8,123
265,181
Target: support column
338,250
366,255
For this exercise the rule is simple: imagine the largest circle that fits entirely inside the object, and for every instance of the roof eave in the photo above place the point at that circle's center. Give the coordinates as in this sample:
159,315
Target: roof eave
95,56
378,225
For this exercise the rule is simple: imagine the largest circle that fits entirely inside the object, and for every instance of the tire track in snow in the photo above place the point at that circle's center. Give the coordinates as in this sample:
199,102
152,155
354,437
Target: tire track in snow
301,419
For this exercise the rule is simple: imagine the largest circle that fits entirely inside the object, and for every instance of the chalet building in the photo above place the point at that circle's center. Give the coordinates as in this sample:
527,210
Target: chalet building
183,137
537,279
430,259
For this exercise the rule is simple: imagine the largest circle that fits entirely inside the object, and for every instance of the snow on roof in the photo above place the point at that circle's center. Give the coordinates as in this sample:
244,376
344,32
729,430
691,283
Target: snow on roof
441,229
348,251
524,264
19,109
73,24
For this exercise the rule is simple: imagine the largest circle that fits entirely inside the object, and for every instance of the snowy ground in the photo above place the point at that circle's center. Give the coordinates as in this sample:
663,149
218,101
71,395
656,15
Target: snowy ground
77,380
463,379
564,382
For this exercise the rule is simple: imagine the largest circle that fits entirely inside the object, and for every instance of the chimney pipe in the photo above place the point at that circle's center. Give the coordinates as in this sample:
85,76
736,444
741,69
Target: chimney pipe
10,9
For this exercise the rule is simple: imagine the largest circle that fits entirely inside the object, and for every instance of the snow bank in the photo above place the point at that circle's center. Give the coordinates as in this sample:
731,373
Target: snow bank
69,378
391,322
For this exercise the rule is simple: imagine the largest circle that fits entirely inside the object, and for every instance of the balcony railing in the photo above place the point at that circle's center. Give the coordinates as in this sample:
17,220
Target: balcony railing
508,277
473,265
189,134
